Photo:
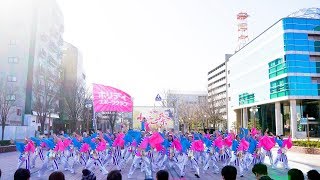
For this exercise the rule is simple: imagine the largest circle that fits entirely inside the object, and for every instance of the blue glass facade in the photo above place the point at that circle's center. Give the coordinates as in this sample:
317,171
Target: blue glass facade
281,68
300,63
301,44
300,23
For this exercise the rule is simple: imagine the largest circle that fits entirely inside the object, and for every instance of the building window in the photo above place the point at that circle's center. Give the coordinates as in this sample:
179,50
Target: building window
11,97
314,37
18,112
216,75
13,60
12,42
228,71
315,58
12,79
315,80
229,85
229,98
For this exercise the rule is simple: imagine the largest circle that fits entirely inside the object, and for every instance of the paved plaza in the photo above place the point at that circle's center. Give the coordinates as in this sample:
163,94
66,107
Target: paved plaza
304,162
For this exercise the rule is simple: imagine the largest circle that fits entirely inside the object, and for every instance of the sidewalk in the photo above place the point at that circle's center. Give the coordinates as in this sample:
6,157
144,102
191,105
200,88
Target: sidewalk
311,139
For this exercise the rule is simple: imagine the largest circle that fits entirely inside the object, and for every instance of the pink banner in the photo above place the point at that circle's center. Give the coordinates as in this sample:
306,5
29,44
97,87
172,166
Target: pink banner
106,98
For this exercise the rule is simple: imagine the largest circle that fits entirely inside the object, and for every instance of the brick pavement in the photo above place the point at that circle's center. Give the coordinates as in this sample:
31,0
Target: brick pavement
305,162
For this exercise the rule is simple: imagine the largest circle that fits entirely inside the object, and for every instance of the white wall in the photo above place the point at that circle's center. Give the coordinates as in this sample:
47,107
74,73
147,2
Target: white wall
249,69
17,132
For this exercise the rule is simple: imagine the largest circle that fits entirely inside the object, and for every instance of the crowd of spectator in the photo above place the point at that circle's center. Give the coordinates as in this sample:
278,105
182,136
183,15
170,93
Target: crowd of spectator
260,171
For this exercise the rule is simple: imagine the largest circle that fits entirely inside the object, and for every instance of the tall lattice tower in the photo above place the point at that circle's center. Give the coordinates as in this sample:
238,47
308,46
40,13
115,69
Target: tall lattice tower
243,37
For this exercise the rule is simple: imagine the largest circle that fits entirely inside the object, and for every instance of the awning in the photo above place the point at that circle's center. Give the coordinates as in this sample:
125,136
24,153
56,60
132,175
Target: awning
52,115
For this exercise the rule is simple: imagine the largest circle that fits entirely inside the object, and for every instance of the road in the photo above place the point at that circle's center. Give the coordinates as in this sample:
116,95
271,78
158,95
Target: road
304,162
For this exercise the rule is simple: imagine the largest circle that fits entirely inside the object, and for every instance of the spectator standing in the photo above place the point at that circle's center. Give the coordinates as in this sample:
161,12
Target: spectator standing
313,175
88,175
260,171
45,132
295,174
114,175
22,174
162,175
229,173
57,176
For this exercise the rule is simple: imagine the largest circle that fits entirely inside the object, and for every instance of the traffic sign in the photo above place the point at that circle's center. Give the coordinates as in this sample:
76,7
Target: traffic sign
304,121
158,97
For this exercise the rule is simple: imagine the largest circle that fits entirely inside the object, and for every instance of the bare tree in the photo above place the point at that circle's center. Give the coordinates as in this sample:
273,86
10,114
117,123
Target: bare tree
8,98
186,112
166,99
211,111
112,118
187,115
74,98
46,94
87,113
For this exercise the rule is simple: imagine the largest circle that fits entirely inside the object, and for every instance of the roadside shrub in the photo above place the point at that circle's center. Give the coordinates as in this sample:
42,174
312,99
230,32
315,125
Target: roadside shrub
305,143
5,143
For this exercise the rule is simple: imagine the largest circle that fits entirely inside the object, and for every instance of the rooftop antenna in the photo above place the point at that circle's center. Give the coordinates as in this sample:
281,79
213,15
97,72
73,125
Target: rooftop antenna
243,37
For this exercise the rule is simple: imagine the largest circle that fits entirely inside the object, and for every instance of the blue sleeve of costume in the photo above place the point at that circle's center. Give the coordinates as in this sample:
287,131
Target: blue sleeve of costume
105,137
76,143
207,142
94,135
279,142
234,145
20,146
142,126
36,141
252,146
87,140
128,139
93,145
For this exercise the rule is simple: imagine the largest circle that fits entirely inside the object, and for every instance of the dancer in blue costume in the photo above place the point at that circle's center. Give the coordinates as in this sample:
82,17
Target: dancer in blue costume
211,155
281,157
38,151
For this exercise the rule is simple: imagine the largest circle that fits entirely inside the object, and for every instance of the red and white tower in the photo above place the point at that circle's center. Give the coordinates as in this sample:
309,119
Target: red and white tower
243,37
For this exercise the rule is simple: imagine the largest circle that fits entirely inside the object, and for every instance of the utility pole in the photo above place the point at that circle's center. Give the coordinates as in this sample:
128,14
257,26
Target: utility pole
88,106
308,135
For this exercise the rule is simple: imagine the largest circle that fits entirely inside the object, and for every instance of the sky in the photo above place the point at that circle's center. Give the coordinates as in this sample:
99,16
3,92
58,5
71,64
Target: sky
145,47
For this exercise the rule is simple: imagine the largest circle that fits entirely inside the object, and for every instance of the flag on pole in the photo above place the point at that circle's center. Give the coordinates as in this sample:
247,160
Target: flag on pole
106,98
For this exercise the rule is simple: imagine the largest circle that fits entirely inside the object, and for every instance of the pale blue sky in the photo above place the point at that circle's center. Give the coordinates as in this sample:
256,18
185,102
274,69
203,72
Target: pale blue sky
146,46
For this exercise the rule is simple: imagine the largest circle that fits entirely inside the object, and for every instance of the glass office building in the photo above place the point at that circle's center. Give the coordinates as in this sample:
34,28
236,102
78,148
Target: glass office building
276,77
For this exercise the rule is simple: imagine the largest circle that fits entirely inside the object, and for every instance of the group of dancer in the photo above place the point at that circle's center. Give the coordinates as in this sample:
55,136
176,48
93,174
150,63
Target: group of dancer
150,151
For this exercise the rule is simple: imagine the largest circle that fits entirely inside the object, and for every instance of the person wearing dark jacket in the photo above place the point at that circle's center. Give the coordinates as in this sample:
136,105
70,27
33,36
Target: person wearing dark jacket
261,172
88,175
313,175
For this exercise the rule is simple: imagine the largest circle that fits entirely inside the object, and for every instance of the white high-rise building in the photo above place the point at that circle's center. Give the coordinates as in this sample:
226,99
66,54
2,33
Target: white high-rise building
217,88
31,40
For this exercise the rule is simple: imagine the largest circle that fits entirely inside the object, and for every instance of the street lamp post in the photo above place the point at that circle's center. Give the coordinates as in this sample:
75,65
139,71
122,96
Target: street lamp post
121,122
203,123
205,117
88,106
254,110
49,112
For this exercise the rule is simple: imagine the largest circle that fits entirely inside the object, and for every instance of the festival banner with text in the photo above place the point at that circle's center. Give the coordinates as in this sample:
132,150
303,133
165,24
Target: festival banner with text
106,98
156,117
